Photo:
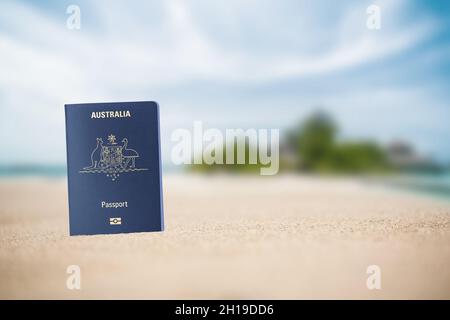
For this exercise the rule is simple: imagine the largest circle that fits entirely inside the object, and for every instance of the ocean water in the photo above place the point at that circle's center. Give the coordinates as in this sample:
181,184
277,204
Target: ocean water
432,184
32,171
50,171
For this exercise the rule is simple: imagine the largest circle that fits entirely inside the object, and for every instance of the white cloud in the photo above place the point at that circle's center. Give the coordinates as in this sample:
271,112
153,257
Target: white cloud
127,52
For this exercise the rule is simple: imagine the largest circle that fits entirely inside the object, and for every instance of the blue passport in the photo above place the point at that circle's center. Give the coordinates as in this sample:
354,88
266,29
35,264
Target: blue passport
114,167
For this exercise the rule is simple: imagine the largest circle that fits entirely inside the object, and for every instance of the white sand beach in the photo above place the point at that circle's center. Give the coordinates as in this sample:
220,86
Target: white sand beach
232,237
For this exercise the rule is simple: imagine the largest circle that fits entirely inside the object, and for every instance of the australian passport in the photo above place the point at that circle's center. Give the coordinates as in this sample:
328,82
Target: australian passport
114,167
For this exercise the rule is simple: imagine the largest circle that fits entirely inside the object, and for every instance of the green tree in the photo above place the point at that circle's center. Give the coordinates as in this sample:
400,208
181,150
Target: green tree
315,141
318,151
358,157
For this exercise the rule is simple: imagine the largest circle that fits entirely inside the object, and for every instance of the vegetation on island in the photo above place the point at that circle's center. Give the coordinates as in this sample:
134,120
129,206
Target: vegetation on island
317,149
314,146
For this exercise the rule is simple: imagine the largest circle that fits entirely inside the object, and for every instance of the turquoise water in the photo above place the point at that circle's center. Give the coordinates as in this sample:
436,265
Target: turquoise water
45,171
433,184
32,170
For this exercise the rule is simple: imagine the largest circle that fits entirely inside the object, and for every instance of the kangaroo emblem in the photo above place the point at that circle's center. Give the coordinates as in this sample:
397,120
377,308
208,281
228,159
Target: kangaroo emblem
96,155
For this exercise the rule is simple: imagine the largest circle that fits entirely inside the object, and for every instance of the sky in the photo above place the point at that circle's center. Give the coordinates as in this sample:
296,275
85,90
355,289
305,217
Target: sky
231,64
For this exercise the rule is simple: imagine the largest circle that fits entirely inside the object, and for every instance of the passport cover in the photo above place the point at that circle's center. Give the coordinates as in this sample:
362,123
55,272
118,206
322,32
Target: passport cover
114,167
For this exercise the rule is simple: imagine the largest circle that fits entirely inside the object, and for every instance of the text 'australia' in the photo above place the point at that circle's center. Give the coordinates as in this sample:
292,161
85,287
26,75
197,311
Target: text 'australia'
111,114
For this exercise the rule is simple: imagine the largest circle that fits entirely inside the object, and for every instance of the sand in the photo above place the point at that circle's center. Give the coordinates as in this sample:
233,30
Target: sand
234,238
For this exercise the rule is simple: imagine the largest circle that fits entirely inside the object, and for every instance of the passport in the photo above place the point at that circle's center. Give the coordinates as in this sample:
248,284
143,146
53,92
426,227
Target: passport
114,167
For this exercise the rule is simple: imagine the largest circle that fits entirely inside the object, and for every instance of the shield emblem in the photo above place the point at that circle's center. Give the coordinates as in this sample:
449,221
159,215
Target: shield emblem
112,156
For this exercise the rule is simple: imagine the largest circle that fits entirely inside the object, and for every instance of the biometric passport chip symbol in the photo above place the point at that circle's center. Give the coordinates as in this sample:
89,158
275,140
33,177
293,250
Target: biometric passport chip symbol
115,221
112,159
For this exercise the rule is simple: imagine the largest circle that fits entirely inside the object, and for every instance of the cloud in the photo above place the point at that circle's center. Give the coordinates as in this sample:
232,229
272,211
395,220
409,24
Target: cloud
197,58
180,50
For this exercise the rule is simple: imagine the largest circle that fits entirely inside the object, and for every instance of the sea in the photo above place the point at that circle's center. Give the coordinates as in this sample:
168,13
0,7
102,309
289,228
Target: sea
435,184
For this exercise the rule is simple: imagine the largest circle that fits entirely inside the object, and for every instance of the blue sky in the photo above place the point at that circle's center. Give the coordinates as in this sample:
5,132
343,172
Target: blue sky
228,63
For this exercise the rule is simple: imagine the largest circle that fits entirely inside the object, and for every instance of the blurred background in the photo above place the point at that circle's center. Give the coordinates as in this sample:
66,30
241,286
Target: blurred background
348,99
361,99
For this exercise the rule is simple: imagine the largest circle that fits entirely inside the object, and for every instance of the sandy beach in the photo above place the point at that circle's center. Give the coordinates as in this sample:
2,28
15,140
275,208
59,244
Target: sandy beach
232,237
